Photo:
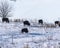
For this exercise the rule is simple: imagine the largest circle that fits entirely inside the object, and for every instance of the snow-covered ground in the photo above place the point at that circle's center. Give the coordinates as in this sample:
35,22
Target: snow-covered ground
38,37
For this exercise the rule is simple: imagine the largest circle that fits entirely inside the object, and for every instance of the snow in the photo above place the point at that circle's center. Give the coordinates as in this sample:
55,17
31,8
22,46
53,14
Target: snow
38,37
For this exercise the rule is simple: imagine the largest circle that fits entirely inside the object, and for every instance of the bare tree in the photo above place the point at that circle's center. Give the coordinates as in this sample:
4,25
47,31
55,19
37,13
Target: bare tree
5,9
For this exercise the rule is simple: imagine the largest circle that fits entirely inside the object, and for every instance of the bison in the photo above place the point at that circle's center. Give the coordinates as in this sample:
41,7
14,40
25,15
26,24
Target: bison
56,22
40,21
24,30
5,20
26,23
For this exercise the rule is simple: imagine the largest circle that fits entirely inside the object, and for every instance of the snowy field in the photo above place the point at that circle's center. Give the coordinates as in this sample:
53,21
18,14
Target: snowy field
38,37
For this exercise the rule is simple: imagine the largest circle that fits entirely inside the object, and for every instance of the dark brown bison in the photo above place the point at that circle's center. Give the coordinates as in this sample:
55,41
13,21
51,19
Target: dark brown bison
56,22
24,30
5,20
40,21
26,23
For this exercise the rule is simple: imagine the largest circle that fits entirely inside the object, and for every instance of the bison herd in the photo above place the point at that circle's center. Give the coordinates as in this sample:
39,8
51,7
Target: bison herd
27,23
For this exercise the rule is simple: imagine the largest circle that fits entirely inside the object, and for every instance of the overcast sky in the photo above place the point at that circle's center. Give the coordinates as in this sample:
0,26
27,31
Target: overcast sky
48,10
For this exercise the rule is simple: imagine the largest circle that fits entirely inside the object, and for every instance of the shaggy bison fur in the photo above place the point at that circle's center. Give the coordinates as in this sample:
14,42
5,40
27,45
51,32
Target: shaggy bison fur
24,30
26,23
56,22
5,20
40,21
